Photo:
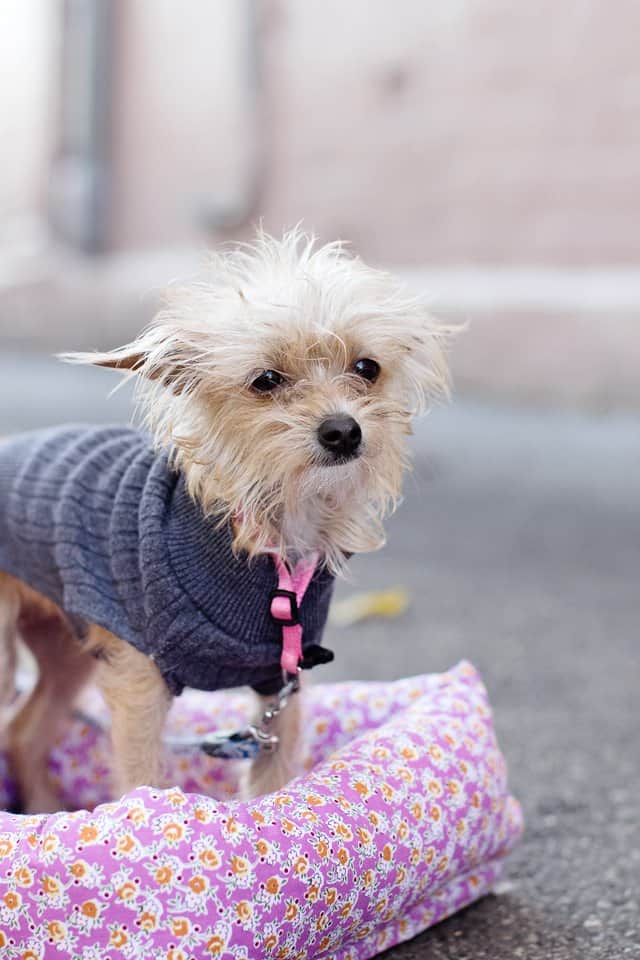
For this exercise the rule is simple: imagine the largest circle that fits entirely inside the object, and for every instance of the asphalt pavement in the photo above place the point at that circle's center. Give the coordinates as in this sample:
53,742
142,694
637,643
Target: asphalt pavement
519,540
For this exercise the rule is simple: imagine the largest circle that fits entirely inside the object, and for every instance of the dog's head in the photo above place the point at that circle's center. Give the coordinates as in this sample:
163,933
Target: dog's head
285,383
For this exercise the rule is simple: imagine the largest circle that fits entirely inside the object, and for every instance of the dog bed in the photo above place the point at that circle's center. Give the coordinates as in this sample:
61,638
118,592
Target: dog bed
402,817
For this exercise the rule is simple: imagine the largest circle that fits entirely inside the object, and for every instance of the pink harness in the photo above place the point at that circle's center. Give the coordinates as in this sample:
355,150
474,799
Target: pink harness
284,607
285,602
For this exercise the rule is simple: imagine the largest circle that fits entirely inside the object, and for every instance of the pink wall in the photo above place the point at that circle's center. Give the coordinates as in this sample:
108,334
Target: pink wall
467,131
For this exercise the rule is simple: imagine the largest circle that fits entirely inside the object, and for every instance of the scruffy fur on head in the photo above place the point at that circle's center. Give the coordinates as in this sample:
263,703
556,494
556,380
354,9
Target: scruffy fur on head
309,313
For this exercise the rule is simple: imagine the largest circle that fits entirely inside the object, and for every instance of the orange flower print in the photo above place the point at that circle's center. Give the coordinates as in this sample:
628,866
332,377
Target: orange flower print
239,866
175,953
342,856
173,832
232,827
23,877
49,843
163,875
283,800
244,911
387,852
322,848
176,798
88,833
137,815
90,909
127,891
148,921
272,885
210,858
12,900
125,844
435,813
344,831
56,930
180,926
291,910
118,937
6,848
330,896
215,945
198,884
51,886
263,848
78,869
201,815
301,866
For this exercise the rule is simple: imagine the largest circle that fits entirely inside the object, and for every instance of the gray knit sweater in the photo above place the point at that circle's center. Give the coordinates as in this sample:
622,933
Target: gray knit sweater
95,519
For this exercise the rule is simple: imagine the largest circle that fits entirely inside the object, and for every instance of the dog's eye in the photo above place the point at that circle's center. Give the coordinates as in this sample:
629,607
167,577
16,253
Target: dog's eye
367,369
268,380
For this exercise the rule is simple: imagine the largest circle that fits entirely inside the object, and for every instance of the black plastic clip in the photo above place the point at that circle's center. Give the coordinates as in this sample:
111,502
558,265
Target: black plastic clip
289,595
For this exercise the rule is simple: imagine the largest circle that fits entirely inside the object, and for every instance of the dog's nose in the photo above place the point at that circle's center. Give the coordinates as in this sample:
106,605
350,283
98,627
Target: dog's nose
341,435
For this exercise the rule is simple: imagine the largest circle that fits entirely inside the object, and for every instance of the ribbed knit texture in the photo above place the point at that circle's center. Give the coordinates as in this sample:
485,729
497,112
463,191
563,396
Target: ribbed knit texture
95,519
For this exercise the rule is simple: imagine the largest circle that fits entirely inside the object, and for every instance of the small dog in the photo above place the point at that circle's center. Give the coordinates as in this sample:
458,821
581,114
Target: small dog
278,394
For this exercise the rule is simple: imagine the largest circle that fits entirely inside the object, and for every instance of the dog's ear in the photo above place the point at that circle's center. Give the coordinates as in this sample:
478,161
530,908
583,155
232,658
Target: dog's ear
132,358
129,357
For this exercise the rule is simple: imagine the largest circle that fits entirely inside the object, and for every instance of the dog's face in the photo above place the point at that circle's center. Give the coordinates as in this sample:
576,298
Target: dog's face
285,383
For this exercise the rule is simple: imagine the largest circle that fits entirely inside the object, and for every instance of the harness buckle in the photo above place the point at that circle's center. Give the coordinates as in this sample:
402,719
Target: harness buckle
275,609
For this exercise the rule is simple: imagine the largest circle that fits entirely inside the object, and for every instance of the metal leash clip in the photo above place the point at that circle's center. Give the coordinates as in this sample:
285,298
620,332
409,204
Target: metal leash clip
242,744
247,743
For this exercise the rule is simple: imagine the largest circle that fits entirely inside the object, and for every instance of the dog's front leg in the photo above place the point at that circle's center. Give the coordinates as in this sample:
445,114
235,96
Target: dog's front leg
139,701
270,771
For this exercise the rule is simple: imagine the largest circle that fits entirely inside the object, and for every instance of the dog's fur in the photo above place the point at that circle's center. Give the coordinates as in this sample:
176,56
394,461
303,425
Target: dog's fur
253,459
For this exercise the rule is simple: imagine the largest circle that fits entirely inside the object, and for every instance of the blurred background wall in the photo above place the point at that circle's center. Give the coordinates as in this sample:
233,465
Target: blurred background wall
488,150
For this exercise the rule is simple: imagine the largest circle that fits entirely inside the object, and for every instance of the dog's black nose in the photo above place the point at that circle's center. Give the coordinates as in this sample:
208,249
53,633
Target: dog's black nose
340,435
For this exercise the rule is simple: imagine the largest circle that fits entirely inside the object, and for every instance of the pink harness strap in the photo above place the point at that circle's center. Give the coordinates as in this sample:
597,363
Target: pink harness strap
292,586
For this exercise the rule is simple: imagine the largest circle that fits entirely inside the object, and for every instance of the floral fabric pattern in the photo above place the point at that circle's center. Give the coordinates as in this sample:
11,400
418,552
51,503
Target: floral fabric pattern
401,817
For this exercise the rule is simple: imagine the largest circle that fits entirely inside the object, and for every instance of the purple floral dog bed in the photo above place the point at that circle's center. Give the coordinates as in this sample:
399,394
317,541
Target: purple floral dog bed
402,817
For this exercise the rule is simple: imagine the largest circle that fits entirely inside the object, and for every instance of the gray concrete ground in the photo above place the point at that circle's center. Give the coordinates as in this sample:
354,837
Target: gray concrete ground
520,541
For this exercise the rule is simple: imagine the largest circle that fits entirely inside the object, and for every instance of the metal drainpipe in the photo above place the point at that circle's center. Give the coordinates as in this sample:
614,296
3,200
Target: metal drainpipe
80,181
